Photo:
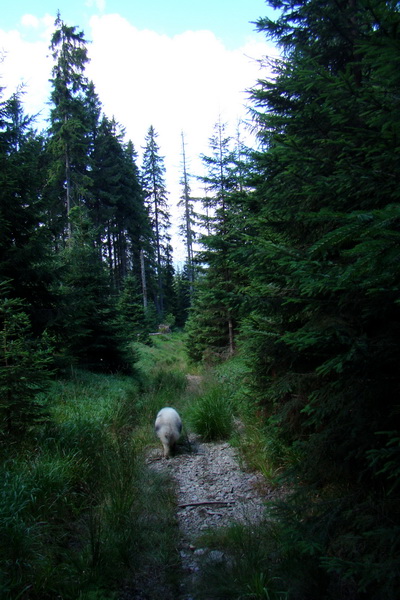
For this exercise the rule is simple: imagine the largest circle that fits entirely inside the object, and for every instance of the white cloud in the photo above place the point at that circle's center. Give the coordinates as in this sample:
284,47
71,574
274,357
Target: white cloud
183,82
30,21
27,64
99,4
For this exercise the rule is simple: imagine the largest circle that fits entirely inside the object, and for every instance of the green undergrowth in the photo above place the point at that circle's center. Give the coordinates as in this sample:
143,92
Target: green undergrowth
166,352
81,515
259,448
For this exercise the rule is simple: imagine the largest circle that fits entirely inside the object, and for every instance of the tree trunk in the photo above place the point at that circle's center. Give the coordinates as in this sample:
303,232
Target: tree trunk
68,190
144,285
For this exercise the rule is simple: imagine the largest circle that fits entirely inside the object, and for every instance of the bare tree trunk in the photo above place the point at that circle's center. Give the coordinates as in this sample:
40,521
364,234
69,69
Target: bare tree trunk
188,225
144,285
68,190
110,252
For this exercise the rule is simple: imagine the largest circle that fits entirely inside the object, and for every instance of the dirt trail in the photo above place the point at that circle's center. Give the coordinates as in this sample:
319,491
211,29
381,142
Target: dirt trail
212,491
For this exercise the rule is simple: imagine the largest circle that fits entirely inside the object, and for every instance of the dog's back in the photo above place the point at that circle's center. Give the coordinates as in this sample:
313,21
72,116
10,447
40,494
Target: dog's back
168,427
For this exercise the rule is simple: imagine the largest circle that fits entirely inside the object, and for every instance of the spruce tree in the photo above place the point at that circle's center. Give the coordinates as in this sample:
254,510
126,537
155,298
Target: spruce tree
153,183
325,192
69,142
117,204
213,320
183,296
137,222
131,314
25,257
87,324
24,371
322,336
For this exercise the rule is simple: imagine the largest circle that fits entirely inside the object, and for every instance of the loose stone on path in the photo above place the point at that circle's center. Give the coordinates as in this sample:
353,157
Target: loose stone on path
212,491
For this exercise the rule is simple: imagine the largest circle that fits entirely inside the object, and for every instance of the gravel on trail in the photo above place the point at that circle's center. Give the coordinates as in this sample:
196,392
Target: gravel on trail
213,490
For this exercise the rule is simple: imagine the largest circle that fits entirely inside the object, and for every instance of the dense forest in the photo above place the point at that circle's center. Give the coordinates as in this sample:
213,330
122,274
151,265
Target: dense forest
298,273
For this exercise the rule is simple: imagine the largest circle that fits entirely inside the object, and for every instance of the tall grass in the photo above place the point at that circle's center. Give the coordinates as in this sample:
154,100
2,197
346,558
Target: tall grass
211,414
258,445
80,513
162,374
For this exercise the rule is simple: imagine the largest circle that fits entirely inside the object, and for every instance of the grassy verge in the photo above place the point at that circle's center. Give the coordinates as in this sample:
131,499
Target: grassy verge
81,516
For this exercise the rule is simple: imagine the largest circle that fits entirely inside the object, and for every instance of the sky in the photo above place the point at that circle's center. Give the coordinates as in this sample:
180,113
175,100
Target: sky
179,66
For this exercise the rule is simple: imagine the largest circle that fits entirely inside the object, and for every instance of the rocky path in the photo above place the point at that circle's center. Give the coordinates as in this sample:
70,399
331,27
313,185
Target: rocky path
212,491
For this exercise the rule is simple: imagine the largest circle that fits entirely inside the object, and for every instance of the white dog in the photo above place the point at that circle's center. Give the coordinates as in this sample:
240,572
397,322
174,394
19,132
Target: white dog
168,428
